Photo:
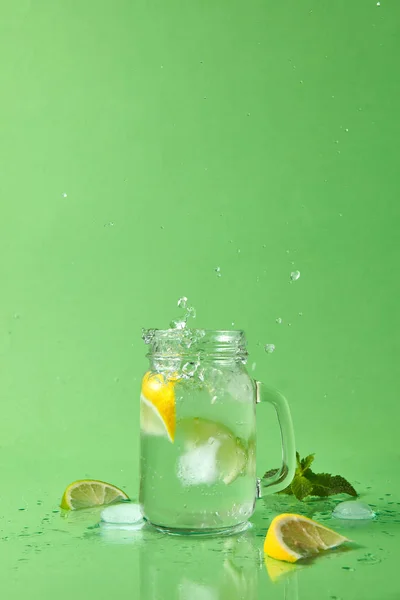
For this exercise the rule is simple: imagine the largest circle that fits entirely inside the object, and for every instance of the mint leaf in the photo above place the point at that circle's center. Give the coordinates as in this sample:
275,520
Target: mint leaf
307,462
301,487
307,483
298,463
324,484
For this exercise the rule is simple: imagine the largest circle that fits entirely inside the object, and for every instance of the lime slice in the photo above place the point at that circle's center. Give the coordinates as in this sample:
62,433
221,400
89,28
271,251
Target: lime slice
87,493
211,452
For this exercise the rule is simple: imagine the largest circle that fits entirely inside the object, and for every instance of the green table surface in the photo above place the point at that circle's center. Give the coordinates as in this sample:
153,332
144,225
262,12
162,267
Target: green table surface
143,144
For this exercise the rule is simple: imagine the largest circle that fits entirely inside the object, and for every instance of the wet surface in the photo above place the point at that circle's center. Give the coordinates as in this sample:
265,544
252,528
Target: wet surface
53,552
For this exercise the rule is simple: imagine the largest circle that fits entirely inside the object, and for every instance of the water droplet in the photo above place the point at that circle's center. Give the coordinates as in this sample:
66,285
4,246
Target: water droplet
378,3
233,324
294,275
17,316
64,195
182,302
300,314
279,320
253,366
347,130
269,348
369,559
218,271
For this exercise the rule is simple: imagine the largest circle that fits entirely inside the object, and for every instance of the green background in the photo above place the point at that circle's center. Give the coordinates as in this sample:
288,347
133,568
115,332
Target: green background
142,145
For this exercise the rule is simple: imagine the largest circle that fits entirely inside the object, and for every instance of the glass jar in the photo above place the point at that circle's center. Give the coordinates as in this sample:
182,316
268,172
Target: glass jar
198,433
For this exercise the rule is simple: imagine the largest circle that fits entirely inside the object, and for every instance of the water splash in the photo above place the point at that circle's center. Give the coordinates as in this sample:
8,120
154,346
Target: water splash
178,324
182,302
189,369
269,348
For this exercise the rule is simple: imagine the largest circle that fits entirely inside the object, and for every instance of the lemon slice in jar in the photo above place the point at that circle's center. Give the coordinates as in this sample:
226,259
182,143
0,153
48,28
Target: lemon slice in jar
157,405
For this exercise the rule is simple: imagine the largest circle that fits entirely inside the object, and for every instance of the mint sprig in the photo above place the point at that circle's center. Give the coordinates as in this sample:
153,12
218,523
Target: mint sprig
307,483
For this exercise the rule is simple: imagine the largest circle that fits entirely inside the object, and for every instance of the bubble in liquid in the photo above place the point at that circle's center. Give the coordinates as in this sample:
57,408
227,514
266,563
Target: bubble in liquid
279,320
269,348
294,275
353,509
182,302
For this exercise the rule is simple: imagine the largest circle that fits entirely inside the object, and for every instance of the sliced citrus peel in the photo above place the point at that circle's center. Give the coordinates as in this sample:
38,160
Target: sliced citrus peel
157,406
87,493
292,537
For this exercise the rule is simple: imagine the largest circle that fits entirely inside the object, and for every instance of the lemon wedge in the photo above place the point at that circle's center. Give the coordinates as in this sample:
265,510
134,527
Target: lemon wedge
157,405
291,537
87,493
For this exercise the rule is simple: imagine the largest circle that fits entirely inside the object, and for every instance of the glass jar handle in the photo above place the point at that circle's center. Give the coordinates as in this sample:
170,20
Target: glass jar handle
284,476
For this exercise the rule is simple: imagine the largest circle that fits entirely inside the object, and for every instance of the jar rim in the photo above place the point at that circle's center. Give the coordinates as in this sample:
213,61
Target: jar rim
229,342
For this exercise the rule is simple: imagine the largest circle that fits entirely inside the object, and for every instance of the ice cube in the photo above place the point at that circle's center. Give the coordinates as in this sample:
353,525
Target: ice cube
126,513
199,464
353,509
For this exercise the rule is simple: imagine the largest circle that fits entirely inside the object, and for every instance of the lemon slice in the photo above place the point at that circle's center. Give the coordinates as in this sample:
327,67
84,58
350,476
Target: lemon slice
86,493
211,452
157,405
291,537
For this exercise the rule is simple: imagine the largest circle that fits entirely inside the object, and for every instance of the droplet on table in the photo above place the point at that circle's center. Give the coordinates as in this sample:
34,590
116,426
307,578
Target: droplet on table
127,512
353,509
294,275
269,348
